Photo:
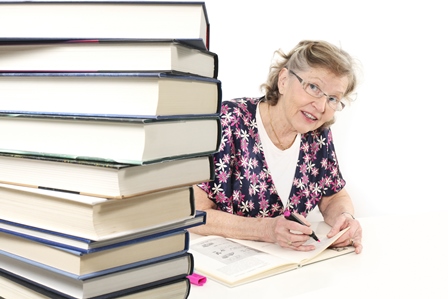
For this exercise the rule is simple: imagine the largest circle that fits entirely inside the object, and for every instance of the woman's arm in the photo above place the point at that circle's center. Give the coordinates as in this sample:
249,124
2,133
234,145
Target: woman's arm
338,212
332,207
273,230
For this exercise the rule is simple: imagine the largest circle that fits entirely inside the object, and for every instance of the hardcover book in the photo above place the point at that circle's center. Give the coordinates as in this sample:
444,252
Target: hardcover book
154,271
104,260
94,218
84,246
149,94
15,287
90,19
120,140
102,179
106,55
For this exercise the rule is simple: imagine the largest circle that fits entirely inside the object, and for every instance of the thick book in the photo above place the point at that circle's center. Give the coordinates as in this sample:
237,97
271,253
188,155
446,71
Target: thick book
84,246
109,94
128,141
234,262
15,287
91,19
127,55
95,218
104,260
154,271
102,179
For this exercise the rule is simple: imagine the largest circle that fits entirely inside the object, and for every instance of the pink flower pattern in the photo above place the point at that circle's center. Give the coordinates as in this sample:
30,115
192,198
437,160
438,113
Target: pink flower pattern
243,184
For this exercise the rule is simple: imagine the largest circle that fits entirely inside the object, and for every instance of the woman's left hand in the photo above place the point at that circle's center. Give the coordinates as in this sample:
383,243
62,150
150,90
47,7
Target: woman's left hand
353,237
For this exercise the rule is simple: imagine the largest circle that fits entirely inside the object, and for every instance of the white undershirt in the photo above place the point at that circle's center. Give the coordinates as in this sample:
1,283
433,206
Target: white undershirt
281,164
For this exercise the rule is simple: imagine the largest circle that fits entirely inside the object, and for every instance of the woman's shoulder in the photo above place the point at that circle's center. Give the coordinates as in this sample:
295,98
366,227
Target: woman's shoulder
319,134
240,106
319,142
242,102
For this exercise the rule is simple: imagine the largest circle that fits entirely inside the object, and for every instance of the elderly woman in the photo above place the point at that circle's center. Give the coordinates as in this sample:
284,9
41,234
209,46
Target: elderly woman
277,154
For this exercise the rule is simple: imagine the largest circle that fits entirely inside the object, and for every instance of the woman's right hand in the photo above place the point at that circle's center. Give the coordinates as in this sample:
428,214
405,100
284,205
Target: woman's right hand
290,234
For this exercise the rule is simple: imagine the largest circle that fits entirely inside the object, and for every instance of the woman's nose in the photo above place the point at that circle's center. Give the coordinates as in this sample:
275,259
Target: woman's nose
320,104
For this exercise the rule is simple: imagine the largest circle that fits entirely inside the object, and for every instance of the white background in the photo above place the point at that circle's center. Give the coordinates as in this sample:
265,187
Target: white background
391,142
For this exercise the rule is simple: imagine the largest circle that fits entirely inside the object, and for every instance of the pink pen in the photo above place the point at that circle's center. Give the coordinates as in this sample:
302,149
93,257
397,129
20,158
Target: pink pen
197,279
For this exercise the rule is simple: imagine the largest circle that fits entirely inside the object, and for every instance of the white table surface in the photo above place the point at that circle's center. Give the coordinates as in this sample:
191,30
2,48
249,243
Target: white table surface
404,256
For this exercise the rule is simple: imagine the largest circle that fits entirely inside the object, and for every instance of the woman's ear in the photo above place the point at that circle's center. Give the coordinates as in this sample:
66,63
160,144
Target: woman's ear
282,82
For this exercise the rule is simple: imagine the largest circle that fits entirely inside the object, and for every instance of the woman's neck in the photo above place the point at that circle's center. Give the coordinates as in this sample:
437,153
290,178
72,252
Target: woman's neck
275,125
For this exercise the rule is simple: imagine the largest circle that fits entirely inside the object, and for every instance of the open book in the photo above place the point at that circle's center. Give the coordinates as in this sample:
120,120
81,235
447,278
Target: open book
234,262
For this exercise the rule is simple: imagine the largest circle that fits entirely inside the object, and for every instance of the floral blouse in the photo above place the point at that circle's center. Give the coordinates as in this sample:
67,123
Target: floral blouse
243,184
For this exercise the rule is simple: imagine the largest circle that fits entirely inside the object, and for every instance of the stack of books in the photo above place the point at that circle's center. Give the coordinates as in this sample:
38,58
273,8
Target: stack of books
109,113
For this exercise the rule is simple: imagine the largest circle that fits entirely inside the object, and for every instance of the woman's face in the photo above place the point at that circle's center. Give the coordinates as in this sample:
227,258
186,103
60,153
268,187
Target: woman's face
303,111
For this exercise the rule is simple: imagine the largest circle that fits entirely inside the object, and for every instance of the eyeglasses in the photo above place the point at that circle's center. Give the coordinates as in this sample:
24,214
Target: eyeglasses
313,90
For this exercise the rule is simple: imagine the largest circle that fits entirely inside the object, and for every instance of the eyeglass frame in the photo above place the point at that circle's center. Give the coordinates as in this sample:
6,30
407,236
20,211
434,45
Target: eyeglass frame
305,84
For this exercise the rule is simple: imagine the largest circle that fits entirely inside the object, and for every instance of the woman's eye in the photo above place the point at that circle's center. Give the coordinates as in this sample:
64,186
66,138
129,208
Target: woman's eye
333,99
313,87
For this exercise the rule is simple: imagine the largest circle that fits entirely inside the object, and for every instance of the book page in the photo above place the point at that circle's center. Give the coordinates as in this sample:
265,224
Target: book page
299,257
233,263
